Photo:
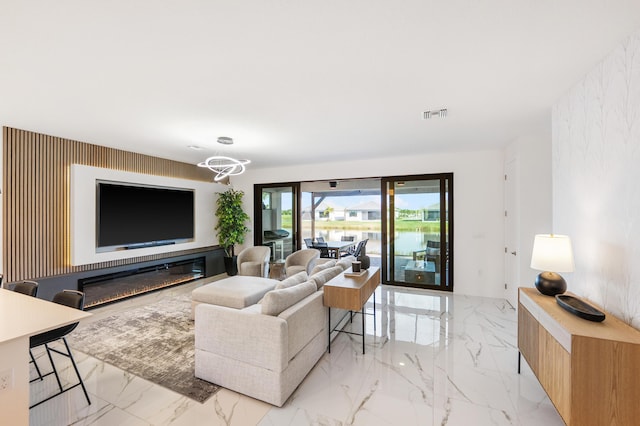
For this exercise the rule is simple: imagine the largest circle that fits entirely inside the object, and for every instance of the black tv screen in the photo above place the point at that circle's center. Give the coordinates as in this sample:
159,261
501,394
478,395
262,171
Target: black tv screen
128,215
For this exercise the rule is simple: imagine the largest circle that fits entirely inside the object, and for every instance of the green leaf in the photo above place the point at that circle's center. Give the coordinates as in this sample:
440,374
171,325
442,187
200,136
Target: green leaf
231,227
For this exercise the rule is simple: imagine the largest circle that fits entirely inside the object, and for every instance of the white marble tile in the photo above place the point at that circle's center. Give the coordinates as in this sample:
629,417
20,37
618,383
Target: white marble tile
70,408
329,392
292,416
531,402
434,359
457,412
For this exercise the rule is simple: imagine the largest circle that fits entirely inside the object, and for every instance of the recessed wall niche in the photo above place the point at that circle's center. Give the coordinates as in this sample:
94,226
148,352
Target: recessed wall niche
36,199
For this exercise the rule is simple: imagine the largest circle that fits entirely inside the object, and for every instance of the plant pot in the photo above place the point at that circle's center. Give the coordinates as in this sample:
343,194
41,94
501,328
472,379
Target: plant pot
231,265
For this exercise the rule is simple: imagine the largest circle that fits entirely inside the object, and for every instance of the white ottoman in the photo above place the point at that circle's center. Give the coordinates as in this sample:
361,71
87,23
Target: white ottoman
234,292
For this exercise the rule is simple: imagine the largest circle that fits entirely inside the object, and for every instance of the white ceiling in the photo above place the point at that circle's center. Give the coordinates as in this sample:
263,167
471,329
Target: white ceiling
297,81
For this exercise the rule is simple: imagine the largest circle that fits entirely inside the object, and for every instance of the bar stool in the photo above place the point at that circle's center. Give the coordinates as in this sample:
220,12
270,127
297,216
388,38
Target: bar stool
30,288
73,299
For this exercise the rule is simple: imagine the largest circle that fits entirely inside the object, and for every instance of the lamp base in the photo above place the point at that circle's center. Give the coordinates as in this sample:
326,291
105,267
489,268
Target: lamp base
550,283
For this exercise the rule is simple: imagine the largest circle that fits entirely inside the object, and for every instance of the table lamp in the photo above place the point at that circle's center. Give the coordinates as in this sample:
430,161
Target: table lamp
551,254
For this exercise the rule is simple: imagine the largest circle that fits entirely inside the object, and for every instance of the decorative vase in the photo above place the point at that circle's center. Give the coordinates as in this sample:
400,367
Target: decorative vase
550,283
231,265
365,261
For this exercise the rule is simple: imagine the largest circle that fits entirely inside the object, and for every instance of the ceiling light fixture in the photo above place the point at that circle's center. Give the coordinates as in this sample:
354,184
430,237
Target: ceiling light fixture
222,165
225,140
442,113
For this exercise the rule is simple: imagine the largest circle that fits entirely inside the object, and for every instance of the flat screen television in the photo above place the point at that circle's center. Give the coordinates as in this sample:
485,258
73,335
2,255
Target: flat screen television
133,216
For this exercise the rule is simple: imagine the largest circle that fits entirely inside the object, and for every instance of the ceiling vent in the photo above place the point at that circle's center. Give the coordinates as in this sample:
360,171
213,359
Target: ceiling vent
442,113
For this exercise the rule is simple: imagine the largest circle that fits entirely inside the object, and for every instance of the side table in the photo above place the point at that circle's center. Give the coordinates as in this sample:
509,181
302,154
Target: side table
351,293
276,269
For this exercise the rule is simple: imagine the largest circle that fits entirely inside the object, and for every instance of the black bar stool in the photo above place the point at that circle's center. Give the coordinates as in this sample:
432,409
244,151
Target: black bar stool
73,299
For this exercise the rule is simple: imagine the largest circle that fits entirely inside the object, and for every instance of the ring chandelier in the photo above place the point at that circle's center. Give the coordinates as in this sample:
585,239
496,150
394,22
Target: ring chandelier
224,166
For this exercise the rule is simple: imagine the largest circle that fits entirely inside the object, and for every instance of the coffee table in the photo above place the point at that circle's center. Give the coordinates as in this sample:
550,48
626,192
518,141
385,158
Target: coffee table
420,272
351,293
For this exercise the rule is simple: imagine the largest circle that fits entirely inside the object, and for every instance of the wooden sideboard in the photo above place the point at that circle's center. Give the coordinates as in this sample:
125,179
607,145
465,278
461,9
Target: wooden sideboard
590,370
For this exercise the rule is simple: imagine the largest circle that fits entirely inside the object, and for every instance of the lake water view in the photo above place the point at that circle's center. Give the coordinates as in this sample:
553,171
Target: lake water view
405,243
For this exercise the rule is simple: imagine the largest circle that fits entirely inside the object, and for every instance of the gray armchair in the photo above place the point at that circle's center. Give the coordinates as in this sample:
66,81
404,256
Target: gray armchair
301,260
254,261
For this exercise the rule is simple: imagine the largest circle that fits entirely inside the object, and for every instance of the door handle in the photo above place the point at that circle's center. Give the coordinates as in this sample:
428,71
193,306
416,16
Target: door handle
513,253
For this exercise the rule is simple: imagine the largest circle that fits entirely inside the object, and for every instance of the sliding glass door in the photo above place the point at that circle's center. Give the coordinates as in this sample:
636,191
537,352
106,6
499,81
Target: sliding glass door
407,221
275,218
419,231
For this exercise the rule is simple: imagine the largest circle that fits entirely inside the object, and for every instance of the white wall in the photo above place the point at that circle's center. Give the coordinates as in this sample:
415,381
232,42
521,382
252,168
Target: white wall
596,175
1,202
478,205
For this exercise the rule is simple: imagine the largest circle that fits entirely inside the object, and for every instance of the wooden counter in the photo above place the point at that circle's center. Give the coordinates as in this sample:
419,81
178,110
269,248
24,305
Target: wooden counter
20,317
590,370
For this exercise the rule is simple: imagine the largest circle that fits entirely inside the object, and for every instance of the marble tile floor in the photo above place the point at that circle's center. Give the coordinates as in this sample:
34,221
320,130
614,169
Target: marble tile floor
435,359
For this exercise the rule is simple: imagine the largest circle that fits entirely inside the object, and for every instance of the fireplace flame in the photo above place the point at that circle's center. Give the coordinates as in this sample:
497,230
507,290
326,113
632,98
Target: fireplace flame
114,289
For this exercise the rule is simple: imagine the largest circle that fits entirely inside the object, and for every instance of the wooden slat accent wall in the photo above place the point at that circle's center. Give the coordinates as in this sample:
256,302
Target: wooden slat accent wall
36,199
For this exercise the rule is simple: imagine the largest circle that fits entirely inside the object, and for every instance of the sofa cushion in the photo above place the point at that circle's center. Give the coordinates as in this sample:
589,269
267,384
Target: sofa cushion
298,278
234,292
321,278
346,262
323,266
253,309
276,301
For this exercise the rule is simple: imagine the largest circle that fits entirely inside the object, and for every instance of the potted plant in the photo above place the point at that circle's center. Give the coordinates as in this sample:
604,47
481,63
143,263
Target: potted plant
231,226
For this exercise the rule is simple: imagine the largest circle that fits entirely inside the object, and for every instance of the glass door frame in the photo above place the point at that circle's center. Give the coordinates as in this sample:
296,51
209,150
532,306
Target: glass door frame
388,229
258,234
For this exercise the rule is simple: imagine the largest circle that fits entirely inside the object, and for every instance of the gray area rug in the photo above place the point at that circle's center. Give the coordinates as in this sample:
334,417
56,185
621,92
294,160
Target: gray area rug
155,342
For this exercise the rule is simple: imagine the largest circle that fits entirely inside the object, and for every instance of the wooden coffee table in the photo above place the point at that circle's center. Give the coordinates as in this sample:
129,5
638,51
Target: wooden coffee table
351,293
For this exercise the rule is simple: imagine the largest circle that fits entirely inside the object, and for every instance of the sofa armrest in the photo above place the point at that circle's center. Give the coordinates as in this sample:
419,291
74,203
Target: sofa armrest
305,320
255,339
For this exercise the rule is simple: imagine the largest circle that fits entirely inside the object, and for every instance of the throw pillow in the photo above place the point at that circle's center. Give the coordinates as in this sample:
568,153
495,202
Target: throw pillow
322,267
276,301
298,278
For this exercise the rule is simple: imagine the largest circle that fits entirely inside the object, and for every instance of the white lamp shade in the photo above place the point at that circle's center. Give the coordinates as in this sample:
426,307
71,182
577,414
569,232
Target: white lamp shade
552,253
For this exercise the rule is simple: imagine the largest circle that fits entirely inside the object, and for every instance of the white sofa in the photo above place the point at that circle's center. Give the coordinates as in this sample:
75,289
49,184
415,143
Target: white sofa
266,350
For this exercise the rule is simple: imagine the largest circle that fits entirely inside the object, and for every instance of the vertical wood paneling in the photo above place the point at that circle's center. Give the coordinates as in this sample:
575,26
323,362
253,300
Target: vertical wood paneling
36,222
